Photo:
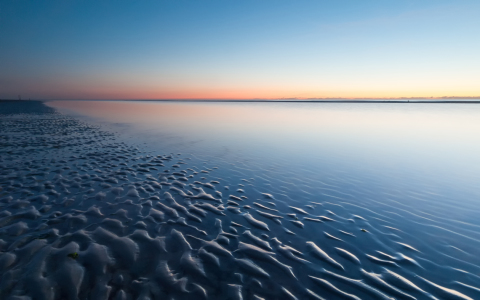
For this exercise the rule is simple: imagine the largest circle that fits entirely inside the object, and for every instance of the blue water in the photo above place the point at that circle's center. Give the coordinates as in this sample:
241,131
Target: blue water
407,174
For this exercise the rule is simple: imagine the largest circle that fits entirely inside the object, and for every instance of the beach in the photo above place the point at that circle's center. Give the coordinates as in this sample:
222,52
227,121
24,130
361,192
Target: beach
86,213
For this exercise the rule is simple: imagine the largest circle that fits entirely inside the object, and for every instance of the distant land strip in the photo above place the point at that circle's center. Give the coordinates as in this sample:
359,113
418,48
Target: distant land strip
316,101
459,101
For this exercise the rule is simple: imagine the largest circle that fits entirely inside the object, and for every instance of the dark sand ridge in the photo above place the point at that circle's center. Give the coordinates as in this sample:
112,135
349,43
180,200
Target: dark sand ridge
85,216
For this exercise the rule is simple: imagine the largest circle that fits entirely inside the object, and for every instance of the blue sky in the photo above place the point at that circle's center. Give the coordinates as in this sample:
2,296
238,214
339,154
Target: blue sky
238,49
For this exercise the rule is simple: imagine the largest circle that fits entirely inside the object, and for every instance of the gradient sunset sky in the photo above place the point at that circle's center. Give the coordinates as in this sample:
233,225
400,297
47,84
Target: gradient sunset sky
239,49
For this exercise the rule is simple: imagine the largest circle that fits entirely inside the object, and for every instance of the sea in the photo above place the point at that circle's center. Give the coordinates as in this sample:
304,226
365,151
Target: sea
240,200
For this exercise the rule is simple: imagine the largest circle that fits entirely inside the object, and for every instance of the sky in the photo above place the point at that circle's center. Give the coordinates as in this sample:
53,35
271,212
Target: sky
239,49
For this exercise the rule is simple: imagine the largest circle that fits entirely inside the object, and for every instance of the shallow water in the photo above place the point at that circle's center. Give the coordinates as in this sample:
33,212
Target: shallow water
239,200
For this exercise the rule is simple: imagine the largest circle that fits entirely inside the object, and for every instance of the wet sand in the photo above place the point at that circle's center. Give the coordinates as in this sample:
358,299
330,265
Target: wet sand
84,215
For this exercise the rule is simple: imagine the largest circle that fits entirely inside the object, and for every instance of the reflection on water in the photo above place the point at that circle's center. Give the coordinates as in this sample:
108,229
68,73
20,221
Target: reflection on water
407,173
439,140
427,146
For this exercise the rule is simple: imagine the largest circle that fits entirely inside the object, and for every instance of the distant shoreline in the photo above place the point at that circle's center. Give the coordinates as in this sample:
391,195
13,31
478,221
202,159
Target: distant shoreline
477,101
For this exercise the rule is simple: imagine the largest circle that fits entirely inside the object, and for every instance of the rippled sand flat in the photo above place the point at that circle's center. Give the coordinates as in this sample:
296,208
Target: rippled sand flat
84,215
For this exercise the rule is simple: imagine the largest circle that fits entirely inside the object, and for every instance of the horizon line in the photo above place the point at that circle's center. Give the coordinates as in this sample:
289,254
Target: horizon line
432,101
282,99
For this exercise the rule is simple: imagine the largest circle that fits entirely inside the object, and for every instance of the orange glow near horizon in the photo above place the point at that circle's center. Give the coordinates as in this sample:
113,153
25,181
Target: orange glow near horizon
252,95
269,93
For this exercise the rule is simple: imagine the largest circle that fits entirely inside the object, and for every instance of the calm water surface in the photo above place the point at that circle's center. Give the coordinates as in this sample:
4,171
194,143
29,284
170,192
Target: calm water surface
436,142
408,173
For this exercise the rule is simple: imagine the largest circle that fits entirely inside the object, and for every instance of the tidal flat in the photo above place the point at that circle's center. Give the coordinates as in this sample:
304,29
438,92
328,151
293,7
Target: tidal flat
93,207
